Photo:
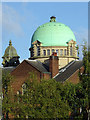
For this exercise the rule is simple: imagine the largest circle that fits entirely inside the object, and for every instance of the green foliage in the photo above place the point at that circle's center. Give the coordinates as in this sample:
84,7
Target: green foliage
83,88
6,79
43,100
7,101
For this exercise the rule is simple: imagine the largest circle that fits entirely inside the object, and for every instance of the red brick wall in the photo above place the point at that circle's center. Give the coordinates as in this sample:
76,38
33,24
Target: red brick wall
46,76
82,70
75,77
21,73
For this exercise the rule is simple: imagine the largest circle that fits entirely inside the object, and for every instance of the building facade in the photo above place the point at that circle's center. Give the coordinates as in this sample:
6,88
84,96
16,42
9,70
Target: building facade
53,55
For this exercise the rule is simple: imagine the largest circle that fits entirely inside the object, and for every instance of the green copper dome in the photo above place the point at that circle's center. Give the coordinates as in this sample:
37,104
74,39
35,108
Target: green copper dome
10,51
53,34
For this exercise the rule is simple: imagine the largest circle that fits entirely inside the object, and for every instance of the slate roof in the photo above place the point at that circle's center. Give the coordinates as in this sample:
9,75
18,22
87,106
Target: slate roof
64,73
68,70
37,64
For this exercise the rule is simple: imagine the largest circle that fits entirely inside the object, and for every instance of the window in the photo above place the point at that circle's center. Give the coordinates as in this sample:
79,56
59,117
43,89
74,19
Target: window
61,52
53,50
65,52
44,52
23,89
57,52
38,50
48,52
71,51
18,97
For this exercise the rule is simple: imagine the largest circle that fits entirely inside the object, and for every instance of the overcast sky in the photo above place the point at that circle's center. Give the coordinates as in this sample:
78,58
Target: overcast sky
21,19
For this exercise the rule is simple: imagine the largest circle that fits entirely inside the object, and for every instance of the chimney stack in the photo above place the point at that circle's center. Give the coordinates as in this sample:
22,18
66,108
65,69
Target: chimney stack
53,64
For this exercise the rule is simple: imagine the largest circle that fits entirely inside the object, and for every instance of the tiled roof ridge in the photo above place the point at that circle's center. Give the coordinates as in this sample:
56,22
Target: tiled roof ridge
30,60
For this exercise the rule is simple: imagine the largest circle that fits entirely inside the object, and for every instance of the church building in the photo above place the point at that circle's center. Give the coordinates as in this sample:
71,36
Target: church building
53,54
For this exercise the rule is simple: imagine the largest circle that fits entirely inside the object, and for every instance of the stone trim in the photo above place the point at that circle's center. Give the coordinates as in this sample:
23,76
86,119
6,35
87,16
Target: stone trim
42,48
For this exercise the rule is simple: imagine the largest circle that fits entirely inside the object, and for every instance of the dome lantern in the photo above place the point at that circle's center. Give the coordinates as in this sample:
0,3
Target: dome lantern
10,43
53,19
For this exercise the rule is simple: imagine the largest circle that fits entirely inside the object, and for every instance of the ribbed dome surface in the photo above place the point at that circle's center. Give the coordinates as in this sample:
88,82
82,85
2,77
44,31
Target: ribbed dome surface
10,51
53,34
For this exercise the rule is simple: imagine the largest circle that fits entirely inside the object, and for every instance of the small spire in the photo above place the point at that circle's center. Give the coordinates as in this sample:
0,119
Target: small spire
53,19
10,43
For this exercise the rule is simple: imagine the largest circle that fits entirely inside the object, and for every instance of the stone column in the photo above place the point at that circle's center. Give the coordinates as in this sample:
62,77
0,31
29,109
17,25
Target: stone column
41,51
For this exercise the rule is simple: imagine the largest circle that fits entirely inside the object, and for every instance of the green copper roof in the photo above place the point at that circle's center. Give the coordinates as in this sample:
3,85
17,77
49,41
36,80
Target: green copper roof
10,51
53,34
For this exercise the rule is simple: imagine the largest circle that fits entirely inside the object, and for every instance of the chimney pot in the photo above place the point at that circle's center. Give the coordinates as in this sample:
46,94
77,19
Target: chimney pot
54,54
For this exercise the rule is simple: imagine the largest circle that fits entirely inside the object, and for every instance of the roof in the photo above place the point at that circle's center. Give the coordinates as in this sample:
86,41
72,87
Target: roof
10,51
68,70
53,34
37,64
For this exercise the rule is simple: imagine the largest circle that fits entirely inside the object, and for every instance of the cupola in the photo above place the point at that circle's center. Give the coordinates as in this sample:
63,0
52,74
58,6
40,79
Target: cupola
10,57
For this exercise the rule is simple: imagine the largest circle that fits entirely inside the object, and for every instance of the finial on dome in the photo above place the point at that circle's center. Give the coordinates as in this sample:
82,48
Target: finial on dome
53,19
10,43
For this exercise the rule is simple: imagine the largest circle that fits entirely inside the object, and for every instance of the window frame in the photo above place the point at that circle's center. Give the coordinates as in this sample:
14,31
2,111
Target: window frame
53,50
65,52
38,50
71,51
44,52
57,52
48,52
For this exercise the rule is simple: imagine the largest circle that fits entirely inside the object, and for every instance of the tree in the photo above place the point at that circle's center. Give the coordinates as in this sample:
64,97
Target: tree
83,88
7,101
42,100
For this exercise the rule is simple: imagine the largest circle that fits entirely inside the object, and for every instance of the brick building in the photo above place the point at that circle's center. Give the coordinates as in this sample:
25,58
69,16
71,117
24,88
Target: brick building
45,71
53,55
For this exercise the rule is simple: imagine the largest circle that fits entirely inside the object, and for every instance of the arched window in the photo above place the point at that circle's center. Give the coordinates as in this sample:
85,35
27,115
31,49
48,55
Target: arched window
65,52
23,89
44,52
53,50
38,50
57,52
61,52
71,51
48,52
